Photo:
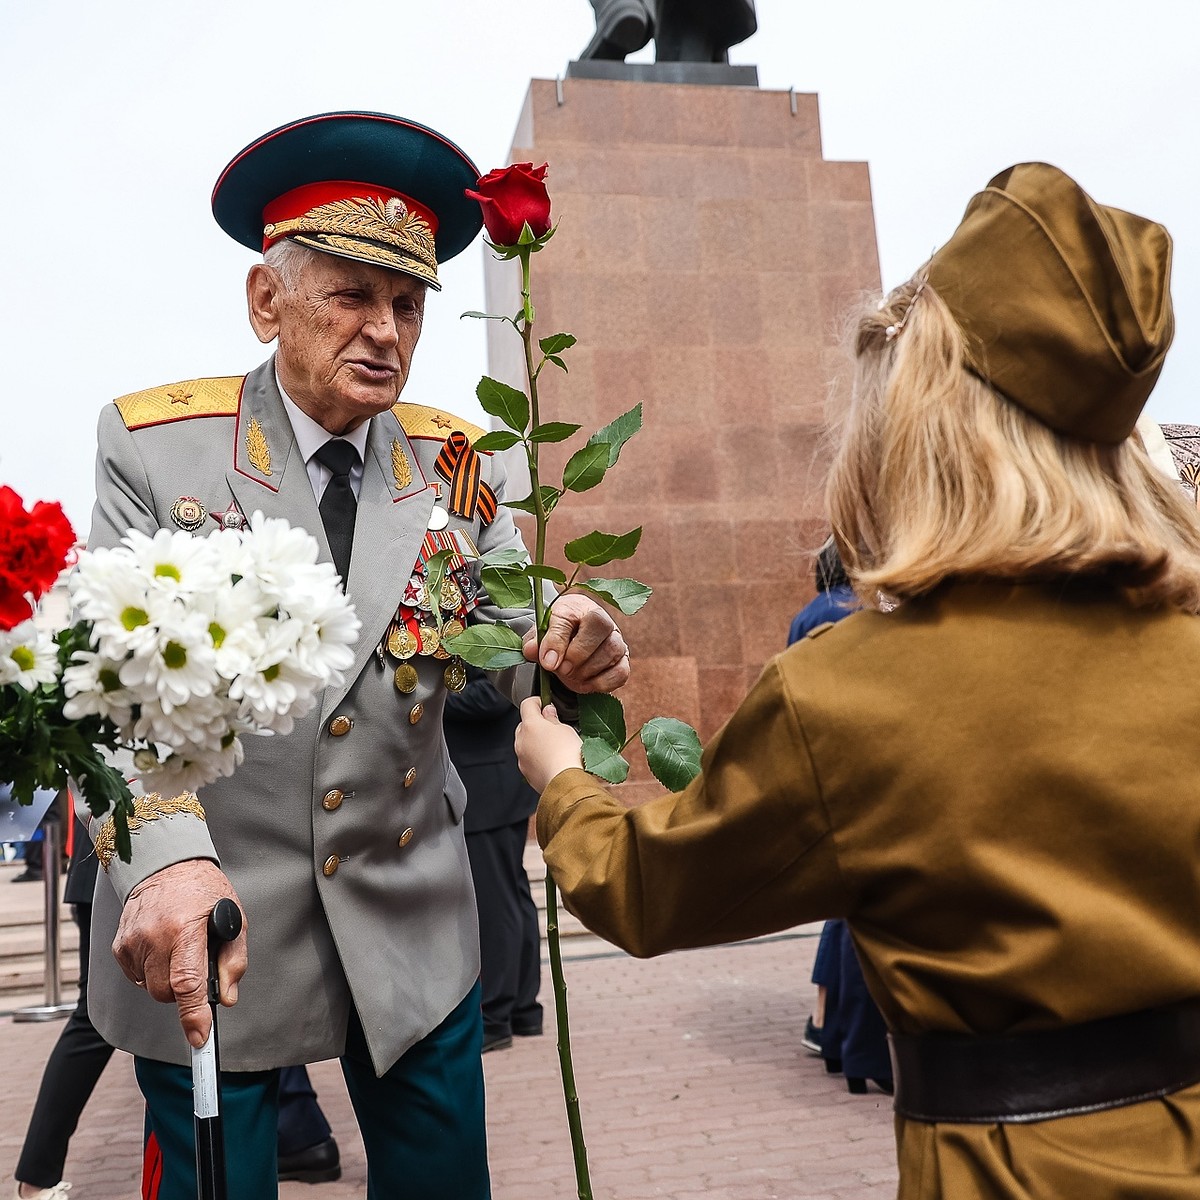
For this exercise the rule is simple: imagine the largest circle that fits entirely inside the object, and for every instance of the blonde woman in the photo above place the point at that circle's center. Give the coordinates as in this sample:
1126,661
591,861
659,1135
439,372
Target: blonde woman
990,771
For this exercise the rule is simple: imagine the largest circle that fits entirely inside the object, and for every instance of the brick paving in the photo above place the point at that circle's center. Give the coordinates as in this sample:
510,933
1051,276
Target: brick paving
692,1080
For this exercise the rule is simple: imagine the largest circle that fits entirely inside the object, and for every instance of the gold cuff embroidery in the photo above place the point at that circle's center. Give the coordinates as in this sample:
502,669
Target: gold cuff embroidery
151,807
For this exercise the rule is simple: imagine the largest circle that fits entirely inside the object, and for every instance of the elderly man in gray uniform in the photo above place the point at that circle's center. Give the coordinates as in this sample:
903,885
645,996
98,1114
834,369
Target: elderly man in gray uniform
342,842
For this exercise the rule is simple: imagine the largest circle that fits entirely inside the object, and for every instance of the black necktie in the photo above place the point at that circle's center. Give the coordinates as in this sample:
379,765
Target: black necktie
338,506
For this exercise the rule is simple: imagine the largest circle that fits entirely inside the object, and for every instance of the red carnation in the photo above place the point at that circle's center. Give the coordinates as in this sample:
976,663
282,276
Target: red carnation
33,550
511,197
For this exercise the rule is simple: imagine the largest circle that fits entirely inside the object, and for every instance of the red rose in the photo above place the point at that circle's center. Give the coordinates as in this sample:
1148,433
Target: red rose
510,197
33,549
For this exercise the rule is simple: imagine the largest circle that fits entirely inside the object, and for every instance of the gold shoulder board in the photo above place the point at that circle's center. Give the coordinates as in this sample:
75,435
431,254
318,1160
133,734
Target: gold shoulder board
178,401
421,421
817,630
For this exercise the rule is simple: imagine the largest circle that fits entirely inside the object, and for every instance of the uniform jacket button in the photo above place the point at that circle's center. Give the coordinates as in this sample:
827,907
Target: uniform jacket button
333,799
340,725
416,713
406,836
331,866
410,777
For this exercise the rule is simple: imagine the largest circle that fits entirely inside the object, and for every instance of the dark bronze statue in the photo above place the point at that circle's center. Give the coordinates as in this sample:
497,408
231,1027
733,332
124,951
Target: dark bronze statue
683,30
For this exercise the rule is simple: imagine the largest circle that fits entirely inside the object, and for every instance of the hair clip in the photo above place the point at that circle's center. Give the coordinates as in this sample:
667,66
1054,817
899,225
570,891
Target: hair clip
893,331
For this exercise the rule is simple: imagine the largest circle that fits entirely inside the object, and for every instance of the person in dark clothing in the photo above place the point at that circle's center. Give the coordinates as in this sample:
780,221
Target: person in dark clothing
479,726
846,1030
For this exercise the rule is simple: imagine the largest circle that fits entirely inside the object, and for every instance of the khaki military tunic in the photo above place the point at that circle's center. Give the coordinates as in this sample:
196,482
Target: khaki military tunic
998,787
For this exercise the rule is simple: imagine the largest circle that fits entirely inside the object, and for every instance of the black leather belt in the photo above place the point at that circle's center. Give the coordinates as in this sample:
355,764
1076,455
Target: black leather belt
1052,1073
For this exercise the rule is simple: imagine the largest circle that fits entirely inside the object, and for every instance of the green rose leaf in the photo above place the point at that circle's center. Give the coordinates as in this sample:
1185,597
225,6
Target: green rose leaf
482,316
595,549
585,468
616,433
556,343
601,716
492,647
627,594
498,439
536,571
553,431
558,362
550,497
499,400
603,761
672,750
507,588
509,556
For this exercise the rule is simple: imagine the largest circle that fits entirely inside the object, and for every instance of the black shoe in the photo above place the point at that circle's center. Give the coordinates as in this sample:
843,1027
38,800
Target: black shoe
27,876
496,1040
811,1040
315,1164
858,1087
528,1029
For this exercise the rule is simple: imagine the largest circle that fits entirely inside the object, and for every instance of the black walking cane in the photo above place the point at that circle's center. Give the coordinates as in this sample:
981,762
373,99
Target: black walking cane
224,924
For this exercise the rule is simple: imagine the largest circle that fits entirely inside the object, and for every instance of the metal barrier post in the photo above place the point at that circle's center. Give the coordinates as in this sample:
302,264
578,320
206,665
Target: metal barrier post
53,1008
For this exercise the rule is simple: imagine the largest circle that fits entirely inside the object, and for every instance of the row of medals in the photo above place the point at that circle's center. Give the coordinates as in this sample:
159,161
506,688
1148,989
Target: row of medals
403,644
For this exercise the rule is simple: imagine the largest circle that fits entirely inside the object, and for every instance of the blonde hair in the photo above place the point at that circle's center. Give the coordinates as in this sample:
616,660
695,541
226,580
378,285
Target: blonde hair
938,477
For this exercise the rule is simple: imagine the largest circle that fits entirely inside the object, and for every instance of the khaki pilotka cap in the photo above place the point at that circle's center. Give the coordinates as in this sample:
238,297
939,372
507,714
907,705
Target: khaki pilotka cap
1065,303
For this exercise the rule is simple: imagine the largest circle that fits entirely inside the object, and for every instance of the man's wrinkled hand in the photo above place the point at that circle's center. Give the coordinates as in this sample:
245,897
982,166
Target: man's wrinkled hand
162,941
582,646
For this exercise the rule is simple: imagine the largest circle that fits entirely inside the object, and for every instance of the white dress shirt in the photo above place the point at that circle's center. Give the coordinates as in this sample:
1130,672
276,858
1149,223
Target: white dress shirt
310,437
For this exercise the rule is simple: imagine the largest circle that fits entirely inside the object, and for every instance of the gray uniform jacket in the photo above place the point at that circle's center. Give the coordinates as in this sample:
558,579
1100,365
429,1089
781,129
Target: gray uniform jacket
364,898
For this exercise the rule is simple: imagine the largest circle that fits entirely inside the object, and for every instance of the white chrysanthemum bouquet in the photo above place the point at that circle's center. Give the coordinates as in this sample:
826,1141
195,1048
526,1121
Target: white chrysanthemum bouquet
183,646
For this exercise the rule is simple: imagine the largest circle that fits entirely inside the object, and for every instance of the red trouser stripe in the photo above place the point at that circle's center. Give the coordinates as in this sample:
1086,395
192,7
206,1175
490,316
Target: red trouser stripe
152,1169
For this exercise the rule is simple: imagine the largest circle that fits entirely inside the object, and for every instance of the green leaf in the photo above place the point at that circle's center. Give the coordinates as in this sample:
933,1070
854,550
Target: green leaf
499,400
556,343
558,362
498,439
553,431
601,716
482,316
539,571
550,497
435,571
492,647
616,433
627,594
507,588
585,468
595,549
508,556
603,761
672,750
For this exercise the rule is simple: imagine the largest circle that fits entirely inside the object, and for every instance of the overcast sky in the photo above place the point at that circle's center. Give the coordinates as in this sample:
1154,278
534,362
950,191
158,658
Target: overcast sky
119,116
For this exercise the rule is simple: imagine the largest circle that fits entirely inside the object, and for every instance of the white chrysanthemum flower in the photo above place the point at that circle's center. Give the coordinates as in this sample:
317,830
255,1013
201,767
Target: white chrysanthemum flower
332,630
234,627
28,657
278,550
175,562
271,692
124,610
182,667
200,724
93,687
188,772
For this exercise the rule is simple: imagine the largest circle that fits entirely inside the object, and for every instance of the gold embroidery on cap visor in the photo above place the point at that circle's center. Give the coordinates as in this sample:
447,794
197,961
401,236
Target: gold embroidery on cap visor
151,807
369,230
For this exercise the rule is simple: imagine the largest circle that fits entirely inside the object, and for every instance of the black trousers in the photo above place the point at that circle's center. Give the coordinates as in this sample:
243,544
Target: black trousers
72,1071
509,941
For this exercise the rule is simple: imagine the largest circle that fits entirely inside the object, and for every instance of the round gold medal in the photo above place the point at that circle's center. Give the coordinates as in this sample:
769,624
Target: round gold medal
406,678
401,642
430,641
455,676
452,628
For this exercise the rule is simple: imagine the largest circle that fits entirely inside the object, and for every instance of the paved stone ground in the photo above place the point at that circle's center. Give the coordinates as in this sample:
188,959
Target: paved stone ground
692,1080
